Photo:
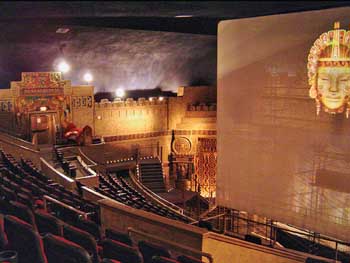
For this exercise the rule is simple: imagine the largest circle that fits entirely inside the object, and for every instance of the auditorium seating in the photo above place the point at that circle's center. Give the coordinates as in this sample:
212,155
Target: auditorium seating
188,259
120,251
159,259
82,238
120,190
60,250
65,236
150,250
23,238
3,237
47,223
118,236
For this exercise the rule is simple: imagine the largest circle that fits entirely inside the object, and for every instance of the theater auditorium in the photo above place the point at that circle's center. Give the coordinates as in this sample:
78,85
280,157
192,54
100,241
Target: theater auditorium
175,132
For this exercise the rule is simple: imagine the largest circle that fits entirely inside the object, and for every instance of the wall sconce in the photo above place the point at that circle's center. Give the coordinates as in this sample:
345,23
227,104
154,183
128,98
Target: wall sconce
43,108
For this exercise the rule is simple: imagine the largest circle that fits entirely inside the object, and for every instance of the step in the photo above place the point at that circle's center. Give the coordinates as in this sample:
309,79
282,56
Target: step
151,175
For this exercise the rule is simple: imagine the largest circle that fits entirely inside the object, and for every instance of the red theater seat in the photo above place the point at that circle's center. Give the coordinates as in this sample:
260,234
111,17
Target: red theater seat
118,236
59,250
22,212
83,239
158,259
25,240
107,260
47,223
150,250
119,251
3,236
90,227
188,259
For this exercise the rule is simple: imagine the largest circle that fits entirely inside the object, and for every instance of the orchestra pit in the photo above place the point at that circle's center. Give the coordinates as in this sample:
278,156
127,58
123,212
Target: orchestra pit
174,132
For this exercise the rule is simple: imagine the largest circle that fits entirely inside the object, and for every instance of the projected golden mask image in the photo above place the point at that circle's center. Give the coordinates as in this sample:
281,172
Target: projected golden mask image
329,71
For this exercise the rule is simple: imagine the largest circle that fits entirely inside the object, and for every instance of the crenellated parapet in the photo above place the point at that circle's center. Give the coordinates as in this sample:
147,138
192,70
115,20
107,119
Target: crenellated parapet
129,102
202,107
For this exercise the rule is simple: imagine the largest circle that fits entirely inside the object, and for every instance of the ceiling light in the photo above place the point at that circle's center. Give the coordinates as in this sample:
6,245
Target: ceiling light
63,67
88,77
62,30
183,16
120,93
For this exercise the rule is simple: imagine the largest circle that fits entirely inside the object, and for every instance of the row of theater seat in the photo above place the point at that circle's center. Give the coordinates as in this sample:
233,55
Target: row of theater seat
119,189
62,242
28,179
68,167
23,227
76,246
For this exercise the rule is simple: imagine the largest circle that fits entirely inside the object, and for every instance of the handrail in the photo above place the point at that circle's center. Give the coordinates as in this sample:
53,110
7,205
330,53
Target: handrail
49,198
159,199
86,157
57,172
18,145
299,232
208,211
207,219
86,167
171,243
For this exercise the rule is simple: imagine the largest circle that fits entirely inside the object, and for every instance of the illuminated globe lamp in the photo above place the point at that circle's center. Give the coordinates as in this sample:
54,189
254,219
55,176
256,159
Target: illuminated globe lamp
88,78
329,71
120,93
63,67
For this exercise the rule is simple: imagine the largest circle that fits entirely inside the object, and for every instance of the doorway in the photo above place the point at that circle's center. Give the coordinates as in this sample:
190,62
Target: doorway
43,127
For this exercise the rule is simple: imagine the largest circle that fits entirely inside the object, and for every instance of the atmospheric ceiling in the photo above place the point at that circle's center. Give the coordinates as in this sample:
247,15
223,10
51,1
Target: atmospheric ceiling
132,45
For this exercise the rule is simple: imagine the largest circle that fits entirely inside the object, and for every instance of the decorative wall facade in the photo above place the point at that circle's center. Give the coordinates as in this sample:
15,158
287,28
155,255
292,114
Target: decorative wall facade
39,107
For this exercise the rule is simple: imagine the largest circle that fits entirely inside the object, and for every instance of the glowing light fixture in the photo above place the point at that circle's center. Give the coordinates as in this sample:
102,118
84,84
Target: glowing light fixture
88,77
99,117
38,120
160,98
150,99
43,108
183,16
120,93
63,67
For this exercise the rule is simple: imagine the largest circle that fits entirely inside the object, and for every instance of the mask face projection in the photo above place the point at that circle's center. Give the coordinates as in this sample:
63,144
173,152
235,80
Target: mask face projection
329,71
333,84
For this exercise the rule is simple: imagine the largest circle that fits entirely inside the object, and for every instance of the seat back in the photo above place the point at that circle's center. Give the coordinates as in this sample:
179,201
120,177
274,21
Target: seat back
47,223
90,227
83,239
118,236
150,250
119,251
159,259
60,250
22,212
25,240
3,236
188,259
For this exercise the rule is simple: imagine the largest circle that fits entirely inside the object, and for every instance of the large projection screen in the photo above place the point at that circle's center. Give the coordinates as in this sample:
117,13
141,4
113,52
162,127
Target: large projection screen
276,157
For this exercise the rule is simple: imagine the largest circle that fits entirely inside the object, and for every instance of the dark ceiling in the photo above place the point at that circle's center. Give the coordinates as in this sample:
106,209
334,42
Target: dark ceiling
134,45
152,15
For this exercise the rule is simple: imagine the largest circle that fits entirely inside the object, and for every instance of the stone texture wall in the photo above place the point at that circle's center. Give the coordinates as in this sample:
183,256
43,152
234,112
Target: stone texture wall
130,117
